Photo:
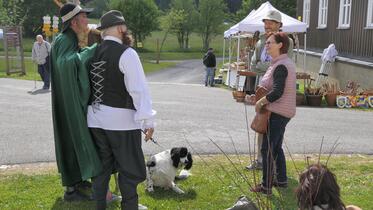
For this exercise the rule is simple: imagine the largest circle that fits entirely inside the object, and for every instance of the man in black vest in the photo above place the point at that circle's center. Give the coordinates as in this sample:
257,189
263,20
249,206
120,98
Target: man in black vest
120,107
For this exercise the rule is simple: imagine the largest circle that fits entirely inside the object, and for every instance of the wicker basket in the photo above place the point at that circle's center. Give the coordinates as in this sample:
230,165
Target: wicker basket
239,95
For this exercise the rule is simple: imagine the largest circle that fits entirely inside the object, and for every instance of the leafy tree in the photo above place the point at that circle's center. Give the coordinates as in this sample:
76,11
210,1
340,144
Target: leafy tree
3,16
210,19
187,8
11,12
163,4
233,5
173,23
100,6
34,15
288,7
141,16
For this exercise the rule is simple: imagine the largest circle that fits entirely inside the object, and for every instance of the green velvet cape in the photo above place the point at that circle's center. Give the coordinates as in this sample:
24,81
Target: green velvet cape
76,155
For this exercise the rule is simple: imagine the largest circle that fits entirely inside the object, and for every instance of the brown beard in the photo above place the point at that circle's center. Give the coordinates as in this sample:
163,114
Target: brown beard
127,39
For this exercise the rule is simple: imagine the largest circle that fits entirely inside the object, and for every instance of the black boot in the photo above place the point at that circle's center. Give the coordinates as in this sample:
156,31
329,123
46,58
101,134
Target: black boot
75,196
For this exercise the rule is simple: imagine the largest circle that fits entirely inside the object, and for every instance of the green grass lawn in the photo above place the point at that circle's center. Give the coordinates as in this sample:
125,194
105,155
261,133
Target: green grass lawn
203,189
170,50
31,69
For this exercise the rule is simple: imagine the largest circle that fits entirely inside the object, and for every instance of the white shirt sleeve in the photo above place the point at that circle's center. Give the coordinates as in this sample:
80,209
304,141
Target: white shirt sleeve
135,81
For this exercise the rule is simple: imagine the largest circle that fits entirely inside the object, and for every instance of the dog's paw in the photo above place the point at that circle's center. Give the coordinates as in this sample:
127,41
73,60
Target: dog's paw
179,191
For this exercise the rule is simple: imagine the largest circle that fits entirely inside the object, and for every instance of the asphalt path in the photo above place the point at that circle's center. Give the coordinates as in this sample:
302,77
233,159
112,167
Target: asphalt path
187,111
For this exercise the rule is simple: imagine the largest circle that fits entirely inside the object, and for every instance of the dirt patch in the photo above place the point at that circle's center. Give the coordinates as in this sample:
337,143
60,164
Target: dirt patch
29,168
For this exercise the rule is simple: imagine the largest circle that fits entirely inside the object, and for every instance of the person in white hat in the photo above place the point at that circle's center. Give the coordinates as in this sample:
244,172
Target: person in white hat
260,62
76,155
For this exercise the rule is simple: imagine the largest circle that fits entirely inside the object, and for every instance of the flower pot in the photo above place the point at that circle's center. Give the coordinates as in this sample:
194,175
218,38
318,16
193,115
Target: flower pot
300,99
314,100
331,99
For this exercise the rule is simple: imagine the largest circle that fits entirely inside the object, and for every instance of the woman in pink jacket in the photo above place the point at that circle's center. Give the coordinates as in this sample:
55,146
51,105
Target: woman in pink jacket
280,80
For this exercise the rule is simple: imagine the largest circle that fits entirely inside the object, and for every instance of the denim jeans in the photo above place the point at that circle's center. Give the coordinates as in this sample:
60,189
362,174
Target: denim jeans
210,74
272,151
44,74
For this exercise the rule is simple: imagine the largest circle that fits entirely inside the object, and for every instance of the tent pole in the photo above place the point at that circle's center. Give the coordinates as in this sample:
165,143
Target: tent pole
229,61
305,54
238,57
223,50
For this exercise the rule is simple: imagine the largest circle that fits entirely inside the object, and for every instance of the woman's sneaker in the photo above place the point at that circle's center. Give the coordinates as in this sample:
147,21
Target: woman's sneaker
261,189
256,165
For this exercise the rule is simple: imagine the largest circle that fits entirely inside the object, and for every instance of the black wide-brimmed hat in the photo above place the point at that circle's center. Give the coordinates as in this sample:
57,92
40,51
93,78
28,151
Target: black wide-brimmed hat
68,11
111,18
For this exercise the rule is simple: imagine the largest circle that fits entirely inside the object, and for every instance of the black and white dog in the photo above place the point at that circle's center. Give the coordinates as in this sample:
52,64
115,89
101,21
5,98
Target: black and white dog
162,168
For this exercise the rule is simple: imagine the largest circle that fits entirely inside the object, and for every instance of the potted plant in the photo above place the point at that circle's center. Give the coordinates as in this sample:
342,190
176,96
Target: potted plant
300,98
331,91
313,96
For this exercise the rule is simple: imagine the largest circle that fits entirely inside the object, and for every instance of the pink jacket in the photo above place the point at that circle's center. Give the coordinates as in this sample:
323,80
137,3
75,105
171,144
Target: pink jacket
286,105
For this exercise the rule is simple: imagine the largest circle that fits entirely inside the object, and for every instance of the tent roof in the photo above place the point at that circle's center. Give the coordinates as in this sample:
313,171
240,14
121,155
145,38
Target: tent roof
235,29
253,22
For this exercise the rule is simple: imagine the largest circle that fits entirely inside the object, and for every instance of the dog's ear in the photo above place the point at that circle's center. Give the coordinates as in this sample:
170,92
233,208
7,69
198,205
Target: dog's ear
190,162
175,156
183,152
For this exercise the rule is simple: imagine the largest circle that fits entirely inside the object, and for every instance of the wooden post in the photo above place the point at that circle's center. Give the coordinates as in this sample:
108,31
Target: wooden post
23,68
6,51
158,52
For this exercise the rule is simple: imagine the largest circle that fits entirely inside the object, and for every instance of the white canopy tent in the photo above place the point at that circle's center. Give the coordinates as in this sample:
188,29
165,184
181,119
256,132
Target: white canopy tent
253,22
236,29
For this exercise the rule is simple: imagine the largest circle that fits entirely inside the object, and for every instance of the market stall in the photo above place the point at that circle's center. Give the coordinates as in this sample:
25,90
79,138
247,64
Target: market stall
244,30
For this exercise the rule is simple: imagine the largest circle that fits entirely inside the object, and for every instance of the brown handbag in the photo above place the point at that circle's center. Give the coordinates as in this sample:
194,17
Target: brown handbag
260,121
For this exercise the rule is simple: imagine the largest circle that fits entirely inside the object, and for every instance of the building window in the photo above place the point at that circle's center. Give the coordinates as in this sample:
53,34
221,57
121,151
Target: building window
306,11
323,13
370,14
344,14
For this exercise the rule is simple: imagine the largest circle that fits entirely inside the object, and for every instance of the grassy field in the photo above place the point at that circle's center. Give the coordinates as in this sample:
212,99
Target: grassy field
41,189
170,50
31,69
147,54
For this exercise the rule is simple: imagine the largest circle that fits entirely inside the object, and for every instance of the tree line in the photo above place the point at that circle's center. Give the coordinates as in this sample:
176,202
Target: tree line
177,17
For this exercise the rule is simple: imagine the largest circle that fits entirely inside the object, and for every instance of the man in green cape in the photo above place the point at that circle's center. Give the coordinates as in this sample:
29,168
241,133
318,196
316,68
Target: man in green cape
76,156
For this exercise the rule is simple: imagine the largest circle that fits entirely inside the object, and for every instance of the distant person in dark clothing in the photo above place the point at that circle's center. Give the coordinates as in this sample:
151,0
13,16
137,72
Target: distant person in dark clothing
209,61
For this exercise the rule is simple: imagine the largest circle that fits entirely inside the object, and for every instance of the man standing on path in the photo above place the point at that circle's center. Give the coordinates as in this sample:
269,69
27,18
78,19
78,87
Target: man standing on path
76,156
120,107
40,56
209,61
260,62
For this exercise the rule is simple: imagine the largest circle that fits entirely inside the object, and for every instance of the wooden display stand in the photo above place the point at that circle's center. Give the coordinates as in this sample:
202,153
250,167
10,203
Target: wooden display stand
305,77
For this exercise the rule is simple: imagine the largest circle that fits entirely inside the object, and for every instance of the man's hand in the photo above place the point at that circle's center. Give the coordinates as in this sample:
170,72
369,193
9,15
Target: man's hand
250,99
149,133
